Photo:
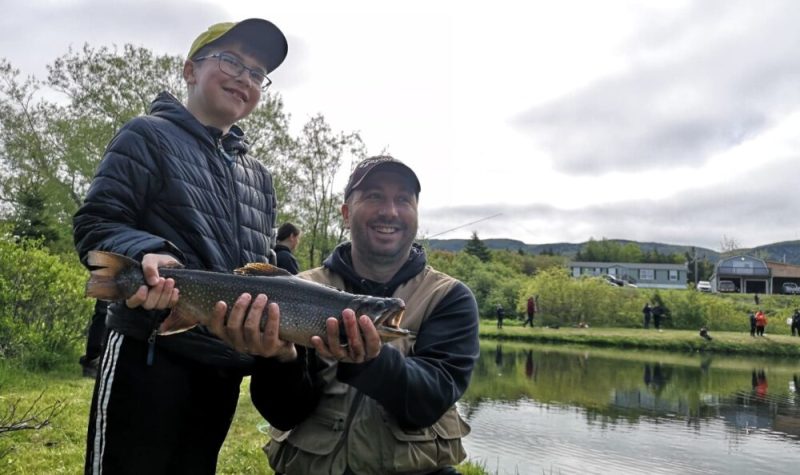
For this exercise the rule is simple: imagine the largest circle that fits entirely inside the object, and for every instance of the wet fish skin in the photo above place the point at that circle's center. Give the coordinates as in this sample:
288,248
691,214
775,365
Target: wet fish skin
304,305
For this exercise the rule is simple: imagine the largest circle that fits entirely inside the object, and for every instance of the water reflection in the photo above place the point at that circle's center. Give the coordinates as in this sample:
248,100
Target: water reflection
600,411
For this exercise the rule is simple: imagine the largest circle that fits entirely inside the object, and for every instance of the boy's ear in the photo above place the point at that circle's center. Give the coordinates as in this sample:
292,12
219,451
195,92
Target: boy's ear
188,72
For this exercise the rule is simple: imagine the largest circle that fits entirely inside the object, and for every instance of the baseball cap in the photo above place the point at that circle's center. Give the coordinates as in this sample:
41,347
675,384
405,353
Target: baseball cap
263,36
367,165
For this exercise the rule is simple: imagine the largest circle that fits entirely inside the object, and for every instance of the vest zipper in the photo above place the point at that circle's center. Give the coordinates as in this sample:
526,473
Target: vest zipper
353,407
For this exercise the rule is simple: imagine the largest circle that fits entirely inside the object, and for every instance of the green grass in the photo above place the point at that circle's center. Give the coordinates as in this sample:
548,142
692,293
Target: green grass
670,340
59,446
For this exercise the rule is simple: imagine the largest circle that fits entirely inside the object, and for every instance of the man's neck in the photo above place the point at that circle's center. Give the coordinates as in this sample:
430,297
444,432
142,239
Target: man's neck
375,270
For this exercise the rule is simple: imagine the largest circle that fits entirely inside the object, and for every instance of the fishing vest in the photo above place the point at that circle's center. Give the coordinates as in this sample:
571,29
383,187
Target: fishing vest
350,429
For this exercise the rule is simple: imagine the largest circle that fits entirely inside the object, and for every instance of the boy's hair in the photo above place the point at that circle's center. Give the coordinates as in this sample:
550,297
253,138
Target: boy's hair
286,230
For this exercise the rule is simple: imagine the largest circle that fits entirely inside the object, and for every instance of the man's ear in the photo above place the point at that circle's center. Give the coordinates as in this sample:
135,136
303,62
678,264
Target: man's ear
188,72
346,215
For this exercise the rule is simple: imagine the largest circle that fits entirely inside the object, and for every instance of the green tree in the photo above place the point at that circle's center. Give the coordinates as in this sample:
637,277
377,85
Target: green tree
704,267
477,248
317,158
50,148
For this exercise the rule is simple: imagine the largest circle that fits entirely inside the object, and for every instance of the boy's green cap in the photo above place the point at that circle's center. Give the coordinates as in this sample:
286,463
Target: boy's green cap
260,34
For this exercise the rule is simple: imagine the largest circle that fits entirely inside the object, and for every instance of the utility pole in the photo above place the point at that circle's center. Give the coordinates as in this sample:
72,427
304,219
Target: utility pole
694,258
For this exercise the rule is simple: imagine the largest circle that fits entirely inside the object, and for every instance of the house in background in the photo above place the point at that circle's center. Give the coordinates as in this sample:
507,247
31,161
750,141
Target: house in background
652,276
753,275
749,274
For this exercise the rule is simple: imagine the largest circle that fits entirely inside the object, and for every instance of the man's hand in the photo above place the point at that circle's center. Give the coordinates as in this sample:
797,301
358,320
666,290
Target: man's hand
363,340
242,330
159,293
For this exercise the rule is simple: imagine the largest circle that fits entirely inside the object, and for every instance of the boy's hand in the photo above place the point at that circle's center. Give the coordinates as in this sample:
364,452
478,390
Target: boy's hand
159,293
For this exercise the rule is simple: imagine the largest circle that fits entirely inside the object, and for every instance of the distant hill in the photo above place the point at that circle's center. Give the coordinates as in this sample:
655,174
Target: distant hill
787,251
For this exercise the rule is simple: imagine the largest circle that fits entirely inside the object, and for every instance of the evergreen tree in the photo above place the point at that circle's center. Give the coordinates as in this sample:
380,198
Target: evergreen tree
477,248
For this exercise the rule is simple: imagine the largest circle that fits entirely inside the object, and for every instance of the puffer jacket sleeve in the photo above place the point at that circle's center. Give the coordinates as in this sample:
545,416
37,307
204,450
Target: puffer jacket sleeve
128,176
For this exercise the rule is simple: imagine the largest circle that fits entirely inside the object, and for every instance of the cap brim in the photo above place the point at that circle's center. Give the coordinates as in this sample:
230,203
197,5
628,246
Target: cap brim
266,39
397,166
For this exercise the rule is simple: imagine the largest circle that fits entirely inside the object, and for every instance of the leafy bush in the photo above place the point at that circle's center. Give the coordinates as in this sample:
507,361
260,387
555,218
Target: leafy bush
564,300
491,282
43,313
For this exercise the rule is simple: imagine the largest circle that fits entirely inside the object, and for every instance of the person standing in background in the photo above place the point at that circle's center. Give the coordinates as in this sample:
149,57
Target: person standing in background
288,239
647,313
531,311
501,314
761,323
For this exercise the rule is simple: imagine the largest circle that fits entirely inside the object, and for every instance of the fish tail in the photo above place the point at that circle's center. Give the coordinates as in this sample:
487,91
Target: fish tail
103,281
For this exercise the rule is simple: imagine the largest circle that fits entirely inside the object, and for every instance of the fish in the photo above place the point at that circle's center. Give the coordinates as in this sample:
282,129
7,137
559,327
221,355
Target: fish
304,305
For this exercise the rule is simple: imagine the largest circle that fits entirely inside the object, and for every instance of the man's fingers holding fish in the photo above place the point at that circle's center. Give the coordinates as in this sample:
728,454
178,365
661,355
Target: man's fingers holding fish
363,341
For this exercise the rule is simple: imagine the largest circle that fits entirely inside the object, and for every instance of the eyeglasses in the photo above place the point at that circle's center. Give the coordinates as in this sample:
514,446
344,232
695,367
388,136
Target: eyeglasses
232,66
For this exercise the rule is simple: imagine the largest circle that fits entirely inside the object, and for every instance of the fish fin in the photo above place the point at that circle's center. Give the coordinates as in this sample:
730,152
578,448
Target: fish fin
105,266
262,269
176,322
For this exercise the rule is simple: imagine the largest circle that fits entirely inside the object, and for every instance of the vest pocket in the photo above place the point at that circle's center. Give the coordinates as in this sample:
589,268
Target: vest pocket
429,447
319,434
297,450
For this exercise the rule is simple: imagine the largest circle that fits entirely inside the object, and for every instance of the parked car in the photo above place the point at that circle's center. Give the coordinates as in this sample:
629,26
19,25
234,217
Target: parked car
704,286
617,281
790,288
726,286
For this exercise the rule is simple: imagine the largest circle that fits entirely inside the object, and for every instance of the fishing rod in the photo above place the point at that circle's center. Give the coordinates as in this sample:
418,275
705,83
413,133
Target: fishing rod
463,225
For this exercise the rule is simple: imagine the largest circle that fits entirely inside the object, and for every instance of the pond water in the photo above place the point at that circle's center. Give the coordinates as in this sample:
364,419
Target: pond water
540,409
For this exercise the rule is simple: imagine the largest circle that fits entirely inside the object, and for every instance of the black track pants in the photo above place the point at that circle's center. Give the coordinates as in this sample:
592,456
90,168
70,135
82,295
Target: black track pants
167,418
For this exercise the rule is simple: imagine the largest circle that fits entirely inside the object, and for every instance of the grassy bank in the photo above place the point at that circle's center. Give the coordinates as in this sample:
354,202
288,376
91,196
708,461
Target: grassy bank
669,340
59,446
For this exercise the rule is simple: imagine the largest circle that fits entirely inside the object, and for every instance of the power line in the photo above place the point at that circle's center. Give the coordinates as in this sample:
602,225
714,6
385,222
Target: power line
463,225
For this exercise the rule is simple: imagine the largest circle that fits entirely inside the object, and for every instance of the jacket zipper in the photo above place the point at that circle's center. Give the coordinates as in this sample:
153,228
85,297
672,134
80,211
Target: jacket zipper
151,346
230,163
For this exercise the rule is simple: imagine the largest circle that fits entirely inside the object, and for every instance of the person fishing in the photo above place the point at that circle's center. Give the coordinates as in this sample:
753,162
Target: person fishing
177,186
367,407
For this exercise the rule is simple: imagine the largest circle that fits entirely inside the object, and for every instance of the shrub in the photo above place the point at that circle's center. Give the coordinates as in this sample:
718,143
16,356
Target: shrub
43,313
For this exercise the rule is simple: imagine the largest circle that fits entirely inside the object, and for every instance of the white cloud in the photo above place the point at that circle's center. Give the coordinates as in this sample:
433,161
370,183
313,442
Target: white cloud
658,121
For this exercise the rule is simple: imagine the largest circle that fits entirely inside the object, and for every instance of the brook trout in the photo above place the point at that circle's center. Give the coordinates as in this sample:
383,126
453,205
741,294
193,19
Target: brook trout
304,305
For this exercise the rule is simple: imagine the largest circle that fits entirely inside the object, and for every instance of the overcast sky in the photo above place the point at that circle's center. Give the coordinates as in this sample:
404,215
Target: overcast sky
663,121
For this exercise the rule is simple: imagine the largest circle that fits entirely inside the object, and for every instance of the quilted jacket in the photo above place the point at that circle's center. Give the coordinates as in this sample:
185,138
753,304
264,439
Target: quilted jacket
169,184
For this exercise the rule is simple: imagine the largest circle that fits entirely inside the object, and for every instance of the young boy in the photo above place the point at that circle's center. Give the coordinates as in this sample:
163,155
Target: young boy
177,186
